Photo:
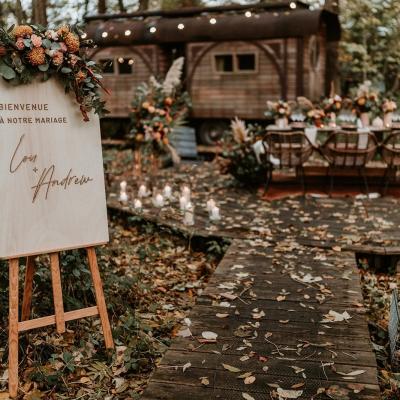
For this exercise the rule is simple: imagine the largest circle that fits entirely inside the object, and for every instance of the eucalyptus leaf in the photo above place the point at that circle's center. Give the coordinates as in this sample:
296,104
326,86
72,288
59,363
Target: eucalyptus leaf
66,70
28,42
55,46
47,44
43,67
7,72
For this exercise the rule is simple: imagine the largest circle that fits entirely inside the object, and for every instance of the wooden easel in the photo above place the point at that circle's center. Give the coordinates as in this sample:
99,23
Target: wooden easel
59,318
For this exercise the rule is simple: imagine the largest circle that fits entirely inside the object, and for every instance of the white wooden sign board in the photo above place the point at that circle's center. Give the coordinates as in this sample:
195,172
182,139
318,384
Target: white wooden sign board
51,172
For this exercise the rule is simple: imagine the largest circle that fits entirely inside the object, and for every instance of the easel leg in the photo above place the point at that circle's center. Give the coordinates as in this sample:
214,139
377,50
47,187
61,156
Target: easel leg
13,329
57,292
27,300
101,303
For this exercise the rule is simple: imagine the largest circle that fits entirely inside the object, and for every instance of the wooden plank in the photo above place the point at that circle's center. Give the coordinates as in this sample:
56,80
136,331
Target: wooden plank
51,319
13,328
101,303
57,292
278,367
28,287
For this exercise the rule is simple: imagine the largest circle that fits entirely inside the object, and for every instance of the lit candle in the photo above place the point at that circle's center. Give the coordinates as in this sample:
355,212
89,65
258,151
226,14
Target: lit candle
123,186
137,204
183,202
167,191
186,192
142,191
210,205
188,218
123,197
158,200
215,215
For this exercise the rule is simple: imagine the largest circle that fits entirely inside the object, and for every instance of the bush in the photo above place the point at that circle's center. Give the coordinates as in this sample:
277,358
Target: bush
246,162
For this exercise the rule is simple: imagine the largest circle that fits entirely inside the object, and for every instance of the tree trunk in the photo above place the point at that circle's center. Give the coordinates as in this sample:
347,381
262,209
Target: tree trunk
19,13
102,6
39,12
121,6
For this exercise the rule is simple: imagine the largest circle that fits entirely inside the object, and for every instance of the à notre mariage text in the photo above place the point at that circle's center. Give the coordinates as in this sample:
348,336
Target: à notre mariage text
29,107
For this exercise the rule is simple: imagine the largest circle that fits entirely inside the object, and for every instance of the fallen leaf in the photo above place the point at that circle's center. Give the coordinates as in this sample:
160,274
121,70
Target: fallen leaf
289,394
209,335
246,396
352,373
230,368
184,333
249,380
204,380
186,366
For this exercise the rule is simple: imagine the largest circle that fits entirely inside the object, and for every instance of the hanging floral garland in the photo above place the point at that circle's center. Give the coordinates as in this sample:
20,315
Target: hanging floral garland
31,51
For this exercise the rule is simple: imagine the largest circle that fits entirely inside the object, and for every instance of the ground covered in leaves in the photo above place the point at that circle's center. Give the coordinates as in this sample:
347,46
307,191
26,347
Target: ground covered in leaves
377,290
151,279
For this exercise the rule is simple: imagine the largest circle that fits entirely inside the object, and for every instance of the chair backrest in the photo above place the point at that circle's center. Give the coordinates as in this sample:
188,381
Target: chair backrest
292,149
349,149
391,149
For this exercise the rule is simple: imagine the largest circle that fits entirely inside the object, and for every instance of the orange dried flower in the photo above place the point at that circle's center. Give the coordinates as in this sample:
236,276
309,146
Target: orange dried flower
72,42
37,56
63,30
80,76
22,31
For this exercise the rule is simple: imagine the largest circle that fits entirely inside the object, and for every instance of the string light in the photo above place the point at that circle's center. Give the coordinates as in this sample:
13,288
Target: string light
127,32
104,34
121,60
181,26
84,35
247,14
153,29
213,21
131,61
292,5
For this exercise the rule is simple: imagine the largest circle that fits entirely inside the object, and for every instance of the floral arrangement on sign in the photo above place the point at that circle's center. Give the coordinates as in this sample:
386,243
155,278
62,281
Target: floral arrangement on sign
31,51
159,107
244,153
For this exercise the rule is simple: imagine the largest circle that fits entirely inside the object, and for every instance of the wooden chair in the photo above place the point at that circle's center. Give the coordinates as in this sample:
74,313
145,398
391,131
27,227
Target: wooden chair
292,149
349,150
391,156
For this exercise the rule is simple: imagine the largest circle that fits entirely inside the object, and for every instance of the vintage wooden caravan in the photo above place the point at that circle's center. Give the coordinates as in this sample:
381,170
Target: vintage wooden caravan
237,57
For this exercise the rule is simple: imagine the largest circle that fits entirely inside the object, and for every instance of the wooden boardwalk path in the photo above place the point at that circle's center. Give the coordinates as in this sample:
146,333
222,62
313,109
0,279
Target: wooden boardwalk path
270,308
285,303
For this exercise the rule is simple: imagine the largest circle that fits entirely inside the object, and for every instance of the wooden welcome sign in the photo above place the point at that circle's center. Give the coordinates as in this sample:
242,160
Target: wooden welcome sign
51,176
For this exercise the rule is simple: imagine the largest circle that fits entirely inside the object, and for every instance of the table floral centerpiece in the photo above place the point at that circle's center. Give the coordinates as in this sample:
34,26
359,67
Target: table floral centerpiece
332,106
388,107
158,107
366,102
280,112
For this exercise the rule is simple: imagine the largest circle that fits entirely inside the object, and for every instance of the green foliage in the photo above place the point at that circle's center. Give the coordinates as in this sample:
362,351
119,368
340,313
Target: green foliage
370,46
